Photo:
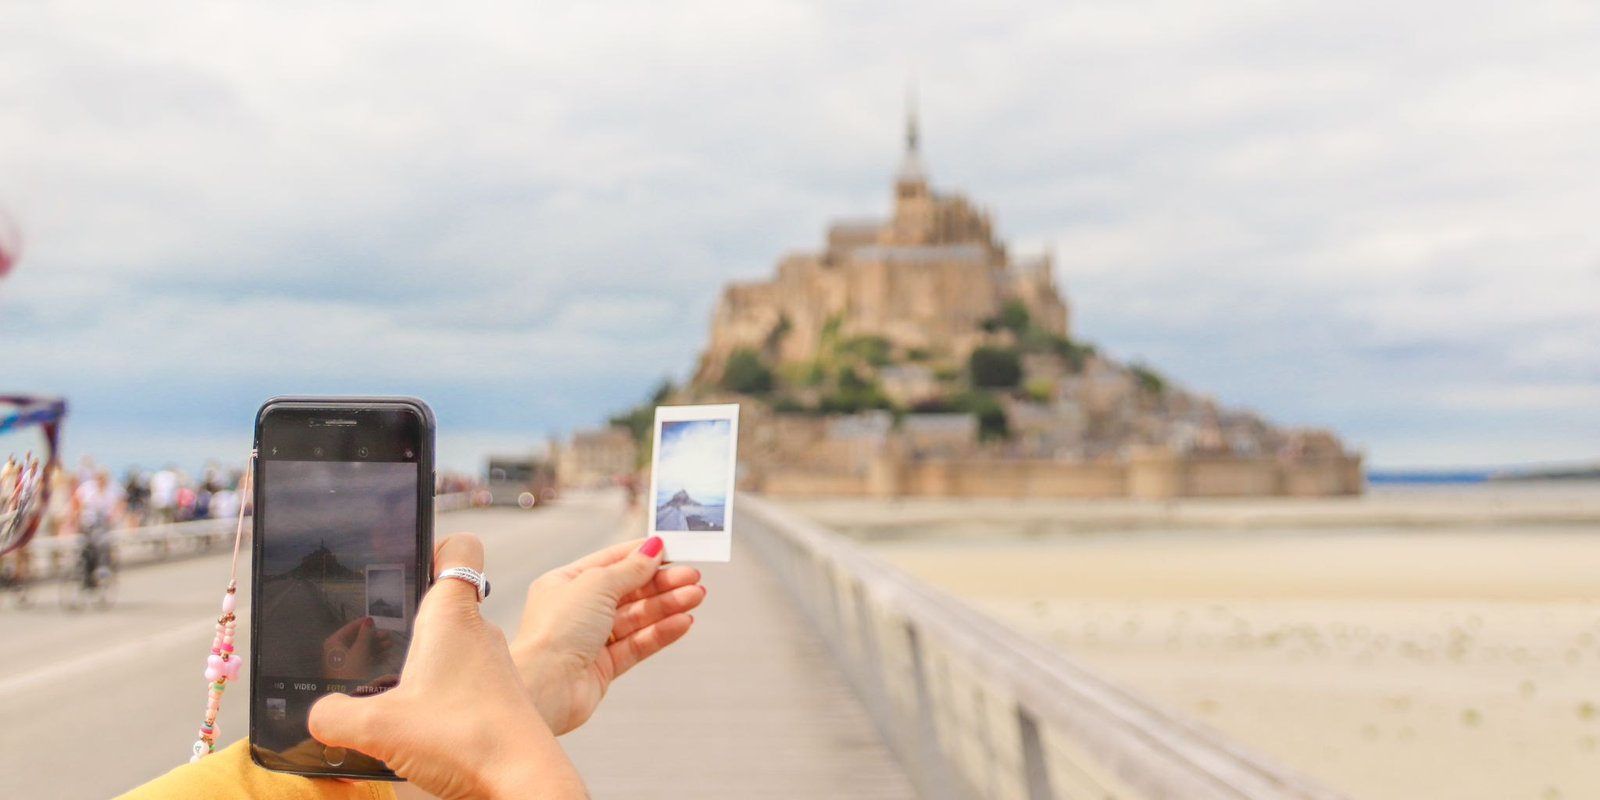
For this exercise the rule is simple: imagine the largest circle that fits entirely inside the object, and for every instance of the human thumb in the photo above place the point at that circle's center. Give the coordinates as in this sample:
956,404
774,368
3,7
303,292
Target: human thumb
636,570
339,720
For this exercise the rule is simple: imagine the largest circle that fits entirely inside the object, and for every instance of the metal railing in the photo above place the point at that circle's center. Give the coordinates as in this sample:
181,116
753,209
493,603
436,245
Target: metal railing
974,709
53,555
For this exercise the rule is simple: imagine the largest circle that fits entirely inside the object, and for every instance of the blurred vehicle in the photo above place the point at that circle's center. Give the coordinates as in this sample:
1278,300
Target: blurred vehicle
522,481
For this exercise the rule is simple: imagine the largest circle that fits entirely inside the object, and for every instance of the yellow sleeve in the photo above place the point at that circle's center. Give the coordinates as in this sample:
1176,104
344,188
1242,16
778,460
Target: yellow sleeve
230,773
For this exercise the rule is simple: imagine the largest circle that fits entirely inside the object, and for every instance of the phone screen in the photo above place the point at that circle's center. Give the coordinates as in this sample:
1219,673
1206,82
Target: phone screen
338,579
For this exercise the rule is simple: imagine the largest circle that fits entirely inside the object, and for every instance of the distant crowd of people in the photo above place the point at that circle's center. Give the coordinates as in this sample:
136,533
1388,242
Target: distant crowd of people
88,500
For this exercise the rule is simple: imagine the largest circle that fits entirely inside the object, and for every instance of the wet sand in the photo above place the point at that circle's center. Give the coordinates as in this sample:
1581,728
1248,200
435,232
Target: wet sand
1421,643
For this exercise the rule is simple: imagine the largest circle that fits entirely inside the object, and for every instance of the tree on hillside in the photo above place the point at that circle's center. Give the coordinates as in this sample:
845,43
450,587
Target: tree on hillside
1013,317
664,390
874,350
992,423
1148,379
853,393
745,374
995,367
639,418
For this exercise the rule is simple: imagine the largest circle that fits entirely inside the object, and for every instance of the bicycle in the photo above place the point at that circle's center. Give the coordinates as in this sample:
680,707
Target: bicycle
93,577
11,580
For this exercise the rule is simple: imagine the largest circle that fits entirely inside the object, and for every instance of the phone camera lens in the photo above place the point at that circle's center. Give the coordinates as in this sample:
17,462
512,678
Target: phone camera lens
361,452
316,451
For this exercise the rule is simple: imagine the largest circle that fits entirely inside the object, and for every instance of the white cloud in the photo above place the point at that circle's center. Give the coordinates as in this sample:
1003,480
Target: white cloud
694,459
1335,212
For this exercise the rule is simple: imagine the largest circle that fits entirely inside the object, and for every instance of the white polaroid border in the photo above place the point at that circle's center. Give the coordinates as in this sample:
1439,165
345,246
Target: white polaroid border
695,545
387,623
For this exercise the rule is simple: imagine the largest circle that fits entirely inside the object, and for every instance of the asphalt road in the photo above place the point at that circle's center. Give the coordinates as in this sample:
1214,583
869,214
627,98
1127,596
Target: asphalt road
671,520
95,702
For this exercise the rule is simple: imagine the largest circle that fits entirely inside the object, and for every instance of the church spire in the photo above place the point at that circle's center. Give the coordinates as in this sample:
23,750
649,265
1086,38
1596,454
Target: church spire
911,120
911,165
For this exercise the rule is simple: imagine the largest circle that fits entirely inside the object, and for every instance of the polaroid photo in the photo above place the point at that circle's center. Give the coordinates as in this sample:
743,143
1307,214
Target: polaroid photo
691,481
386,596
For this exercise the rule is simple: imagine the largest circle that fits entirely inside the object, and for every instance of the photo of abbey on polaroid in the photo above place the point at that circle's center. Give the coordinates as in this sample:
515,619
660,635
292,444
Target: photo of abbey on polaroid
691,481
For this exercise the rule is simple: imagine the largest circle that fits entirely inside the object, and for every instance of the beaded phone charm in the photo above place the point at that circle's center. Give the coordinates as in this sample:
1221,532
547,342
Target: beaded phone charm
222,665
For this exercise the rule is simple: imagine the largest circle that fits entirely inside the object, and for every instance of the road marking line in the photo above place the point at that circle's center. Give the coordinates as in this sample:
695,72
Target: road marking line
101,656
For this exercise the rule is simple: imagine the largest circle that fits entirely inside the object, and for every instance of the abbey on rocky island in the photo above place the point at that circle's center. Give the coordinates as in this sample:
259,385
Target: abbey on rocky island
915,355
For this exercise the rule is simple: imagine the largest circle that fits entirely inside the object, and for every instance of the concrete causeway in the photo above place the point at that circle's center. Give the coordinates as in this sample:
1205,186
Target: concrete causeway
749,705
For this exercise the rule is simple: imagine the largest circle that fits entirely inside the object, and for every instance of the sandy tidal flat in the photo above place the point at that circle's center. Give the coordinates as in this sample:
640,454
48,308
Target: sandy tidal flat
1453,660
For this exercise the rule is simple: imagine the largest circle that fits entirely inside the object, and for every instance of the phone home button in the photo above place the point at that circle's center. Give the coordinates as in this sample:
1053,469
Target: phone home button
334,756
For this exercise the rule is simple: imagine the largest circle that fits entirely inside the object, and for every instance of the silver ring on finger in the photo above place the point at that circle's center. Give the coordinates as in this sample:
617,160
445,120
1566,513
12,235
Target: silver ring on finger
479,582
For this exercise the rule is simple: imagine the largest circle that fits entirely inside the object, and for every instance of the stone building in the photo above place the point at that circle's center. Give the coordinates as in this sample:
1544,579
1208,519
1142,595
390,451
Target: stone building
926,278
595,458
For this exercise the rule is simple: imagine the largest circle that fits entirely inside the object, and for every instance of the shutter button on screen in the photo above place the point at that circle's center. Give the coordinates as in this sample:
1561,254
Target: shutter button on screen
334,756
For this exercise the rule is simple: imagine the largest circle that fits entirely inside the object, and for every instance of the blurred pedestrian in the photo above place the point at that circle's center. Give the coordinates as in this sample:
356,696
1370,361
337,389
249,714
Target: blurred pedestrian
225,504
164,496
136,490
101,504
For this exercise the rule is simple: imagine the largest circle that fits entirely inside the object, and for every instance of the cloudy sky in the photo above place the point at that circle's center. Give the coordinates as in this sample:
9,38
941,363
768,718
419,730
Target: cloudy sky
694,459
1374,216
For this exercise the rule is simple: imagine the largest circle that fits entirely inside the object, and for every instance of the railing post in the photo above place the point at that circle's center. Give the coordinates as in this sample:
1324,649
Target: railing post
872,680
935,781
1035,767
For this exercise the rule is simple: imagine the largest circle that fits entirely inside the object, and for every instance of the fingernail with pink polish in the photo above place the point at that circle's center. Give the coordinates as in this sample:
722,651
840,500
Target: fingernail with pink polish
652,546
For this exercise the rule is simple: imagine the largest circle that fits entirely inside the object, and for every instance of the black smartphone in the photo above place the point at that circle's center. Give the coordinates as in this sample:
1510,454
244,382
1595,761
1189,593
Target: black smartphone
343,550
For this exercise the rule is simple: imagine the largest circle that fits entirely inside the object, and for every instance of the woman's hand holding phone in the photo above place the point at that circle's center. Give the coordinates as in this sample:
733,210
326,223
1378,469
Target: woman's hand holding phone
587,623
460,723
475,717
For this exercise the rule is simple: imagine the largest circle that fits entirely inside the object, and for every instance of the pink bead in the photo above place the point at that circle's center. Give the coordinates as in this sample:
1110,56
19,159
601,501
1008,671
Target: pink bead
227,648
214,660
231,667
227,602
212,673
